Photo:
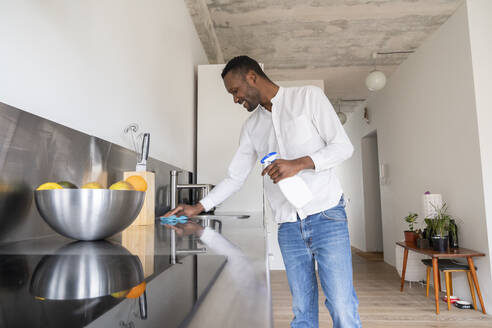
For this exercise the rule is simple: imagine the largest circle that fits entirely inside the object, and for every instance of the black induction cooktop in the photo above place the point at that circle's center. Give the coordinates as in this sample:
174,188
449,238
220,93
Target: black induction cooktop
56,282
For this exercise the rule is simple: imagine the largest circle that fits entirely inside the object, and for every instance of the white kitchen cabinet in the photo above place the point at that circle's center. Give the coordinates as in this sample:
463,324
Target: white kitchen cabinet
219,122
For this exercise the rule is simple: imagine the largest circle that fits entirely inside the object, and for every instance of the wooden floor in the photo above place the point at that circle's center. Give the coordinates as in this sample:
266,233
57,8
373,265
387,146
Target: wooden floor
381,303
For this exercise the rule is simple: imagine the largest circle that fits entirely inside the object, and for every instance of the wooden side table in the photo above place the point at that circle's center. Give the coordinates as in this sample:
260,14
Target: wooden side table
452,253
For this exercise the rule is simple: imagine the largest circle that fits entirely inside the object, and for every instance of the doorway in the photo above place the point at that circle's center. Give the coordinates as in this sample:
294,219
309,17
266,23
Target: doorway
372,195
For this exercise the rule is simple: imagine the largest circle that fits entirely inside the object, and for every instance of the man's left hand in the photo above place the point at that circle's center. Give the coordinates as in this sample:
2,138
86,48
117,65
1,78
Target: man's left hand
283,168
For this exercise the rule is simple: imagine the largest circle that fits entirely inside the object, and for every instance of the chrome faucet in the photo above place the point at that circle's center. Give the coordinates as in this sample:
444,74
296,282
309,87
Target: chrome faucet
175,187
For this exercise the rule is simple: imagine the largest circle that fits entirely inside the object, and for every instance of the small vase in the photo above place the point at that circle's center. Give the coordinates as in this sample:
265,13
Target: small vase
440,244
410,236
453,242
423,243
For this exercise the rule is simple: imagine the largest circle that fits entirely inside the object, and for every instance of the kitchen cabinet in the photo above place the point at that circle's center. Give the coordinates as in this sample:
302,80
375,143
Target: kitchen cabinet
219,122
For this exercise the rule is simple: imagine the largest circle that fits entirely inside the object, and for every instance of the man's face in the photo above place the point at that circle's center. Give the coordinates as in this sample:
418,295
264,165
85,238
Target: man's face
243,89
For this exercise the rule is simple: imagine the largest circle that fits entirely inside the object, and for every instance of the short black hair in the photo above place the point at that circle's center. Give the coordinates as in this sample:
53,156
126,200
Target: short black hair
243,64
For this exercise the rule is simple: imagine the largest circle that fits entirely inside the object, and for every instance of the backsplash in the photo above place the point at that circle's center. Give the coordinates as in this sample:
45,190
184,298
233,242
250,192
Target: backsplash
35,150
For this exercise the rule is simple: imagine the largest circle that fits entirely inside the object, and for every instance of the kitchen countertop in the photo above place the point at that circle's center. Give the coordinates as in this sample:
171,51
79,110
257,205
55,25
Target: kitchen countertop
199,291
240,303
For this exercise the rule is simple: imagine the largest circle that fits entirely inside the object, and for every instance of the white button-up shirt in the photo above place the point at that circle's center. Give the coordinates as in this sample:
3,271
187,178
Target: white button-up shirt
302,123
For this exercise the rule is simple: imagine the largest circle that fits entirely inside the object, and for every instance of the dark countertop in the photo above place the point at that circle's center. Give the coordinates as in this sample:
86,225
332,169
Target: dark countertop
40,279
192,293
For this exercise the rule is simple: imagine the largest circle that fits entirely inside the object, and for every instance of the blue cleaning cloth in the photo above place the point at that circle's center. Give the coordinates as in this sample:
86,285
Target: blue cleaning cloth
173,219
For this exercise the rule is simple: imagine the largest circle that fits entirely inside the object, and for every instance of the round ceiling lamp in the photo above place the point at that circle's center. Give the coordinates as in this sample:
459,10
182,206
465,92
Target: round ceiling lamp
342,117
376,80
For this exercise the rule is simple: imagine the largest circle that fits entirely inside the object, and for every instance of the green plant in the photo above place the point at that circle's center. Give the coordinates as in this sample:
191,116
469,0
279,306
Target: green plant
429,230
441,222
453,228
411,219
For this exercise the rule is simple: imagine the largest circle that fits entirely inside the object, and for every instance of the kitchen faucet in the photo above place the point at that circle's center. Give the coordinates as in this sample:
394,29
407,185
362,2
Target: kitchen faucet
175,187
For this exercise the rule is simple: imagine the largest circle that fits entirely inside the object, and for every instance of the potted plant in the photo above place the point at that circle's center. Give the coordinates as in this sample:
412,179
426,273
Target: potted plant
429,230
422,241
410,234
453,234
441,223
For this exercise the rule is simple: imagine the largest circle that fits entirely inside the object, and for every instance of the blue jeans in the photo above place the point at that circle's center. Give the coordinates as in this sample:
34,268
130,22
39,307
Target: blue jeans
321,237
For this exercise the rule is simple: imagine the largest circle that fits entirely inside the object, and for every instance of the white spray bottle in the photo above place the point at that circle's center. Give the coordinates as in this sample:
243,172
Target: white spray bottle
294,188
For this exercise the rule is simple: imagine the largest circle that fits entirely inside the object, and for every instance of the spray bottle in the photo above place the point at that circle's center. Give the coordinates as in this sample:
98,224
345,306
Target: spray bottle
294,188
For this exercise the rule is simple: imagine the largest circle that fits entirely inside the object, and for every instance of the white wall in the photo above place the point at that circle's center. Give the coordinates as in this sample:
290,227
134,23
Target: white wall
480,27
428,136
96,66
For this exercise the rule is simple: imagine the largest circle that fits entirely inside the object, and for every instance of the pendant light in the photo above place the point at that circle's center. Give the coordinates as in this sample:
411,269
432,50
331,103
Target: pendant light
376,79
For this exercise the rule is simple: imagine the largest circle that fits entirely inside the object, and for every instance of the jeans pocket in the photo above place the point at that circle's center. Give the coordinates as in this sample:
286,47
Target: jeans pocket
336,213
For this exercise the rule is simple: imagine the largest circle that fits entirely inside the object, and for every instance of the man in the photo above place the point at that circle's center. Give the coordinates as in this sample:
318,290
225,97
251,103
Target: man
302,127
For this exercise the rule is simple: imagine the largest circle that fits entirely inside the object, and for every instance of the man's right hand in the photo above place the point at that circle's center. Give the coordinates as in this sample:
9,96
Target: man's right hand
186,229
186,210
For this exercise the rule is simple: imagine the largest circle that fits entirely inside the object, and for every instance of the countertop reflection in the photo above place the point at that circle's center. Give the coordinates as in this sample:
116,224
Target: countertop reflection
58,282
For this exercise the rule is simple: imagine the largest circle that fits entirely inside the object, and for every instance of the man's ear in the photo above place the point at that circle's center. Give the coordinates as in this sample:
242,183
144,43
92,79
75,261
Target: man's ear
251,77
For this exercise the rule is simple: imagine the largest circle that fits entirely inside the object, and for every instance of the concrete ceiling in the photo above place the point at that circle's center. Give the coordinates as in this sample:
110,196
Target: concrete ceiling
330,40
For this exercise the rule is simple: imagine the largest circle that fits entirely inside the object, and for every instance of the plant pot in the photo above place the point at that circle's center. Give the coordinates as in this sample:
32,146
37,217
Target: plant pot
423,243
440,244
429,238
453,242
410,236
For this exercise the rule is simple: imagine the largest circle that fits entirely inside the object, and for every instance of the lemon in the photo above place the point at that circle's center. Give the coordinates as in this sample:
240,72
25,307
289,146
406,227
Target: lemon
121,294
121,185
67,185
137,182
92,185
49,185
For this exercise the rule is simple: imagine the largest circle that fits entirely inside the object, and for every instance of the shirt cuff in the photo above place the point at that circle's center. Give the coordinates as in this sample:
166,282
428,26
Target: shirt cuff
317,160
207,203
207,235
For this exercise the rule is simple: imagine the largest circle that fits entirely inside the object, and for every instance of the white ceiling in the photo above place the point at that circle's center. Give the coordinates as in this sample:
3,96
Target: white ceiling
330,40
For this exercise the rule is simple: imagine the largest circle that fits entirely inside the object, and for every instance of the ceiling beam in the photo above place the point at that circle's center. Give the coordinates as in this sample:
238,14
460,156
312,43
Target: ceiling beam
206,31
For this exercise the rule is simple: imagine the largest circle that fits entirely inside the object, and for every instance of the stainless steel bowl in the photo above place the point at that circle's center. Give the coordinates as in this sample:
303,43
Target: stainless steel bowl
82,270
88,214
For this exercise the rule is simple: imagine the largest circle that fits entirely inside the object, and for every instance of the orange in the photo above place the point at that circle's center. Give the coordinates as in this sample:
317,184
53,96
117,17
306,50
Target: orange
137,290
137,182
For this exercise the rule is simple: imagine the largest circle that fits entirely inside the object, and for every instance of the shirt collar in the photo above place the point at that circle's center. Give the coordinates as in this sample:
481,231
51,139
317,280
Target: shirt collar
264,110
278,96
